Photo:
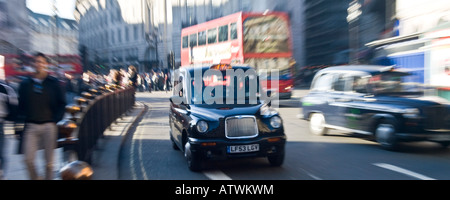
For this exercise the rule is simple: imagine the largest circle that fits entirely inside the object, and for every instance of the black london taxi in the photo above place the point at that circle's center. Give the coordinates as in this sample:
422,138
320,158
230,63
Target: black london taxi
378,101
216,114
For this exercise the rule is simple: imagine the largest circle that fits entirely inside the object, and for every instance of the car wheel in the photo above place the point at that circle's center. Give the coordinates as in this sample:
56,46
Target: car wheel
193,162
174,145
277,160
317,124
385,135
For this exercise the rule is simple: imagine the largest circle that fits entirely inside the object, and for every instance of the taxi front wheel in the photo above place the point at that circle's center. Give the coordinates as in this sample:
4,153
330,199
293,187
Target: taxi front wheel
277,160
194,163
317,124
385,135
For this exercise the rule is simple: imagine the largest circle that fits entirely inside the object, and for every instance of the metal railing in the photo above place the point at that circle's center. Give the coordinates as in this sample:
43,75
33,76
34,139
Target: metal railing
92,114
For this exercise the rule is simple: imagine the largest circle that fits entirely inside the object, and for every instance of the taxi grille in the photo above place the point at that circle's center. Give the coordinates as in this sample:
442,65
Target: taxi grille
240,127
436,117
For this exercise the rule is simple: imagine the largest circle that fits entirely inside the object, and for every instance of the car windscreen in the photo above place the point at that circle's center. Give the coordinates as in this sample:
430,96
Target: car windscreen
393,83
232,86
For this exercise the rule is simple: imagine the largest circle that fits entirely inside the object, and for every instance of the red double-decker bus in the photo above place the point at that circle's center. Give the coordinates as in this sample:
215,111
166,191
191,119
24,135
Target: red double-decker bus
261,40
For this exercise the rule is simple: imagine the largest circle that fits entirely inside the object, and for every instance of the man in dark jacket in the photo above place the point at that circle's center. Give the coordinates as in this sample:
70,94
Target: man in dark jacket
41,105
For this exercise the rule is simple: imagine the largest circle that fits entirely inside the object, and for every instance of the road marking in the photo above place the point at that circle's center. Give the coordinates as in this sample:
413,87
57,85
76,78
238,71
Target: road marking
313,176
141,158
138,136
403,171
216,175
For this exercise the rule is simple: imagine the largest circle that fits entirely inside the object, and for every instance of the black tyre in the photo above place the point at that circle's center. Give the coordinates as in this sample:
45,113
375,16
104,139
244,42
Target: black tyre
277,160
194,163
385,135
317,124
174,145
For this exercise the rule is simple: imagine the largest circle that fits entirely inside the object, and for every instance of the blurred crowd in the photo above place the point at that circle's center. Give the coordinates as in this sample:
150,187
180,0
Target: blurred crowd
155,80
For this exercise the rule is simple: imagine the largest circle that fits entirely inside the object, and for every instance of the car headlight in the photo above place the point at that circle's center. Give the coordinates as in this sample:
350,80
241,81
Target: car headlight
411,113
202,126
275,122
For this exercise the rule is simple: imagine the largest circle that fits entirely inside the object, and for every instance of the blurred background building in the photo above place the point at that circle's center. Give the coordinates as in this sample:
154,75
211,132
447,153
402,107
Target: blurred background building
186,13
23,31
326,32
14,27
116,33
48,38
108,36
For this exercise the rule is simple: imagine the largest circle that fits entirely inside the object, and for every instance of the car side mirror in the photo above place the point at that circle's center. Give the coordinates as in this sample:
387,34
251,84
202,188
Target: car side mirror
176,100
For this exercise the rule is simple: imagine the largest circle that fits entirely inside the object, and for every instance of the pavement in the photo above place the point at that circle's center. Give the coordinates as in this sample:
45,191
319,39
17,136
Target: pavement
105,160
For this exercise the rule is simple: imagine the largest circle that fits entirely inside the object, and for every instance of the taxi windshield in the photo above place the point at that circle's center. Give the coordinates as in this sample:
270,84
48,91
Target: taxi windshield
395,83
229,86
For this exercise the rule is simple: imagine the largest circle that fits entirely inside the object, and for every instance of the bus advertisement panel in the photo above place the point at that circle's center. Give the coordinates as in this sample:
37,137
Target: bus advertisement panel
261,40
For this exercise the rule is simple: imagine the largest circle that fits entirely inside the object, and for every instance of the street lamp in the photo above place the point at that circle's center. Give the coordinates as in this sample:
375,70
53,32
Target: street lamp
354,12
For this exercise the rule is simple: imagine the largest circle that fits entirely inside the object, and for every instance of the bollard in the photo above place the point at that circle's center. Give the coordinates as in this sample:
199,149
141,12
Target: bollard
66,128
80,100
87,95
73,109
77,170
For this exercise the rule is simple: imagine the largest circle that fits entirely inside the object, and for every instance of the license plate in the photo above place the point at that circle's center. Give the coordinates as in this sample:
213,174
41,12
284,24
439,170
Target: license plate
243,148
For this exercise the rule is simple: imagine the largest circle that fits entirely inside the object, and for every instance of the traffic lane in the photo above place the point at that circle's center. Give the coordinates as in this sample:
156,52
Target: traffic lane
341,155
308,157
148,154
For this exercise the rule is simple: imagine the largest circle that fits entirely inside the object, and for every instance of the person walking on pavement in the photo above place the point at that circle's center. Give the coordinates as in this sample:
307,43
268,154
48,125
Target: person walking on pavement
41,105
133,76
8,107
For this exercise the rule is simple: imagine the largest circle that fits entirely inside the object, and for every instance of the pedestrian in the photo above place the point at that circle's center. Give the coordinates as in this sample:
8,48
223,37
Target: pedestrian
148,81
133,76
41,105
116,77
8,107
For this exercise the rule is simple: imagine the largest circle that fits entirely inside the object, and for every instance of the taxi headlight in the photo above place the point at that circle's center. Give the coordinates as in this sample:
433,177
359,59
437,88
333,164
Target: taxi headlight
411,113
275,122
202,126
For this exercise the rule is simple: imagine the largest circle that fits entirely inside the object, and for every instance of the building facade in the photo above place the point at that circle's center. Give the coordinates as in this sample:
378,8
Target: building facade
48,38
116,34
14,27
326,32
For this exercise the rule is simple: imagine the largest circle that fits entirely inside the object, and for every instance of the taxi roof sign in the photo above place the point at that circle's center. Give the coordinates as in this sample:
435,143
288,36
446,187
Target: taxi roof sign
221,67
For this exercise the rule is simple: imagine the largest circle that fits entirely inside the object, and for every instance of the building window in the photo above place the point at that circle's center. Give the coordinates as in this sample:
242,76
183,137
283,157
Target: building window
112,37
127,34
136,32
119,35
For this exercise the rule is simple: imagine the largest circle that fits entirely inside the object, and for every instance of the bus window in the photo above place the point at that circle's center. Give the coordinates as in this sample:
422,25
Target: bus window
233,31
201,38
223,33
193,40
185,42
212,36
